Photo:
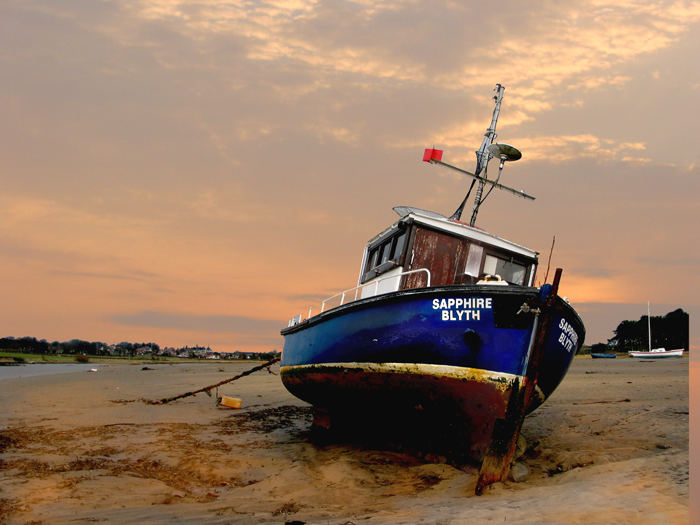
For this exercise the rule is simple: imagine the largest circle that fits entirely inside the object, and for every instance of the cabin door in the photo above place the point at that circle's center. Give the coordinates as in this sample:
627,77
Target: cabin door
441,254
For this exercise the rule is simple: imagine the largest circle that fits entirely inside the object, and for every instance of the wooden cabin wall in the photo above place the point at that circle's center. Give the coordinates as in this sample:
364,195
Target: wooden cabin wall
444,255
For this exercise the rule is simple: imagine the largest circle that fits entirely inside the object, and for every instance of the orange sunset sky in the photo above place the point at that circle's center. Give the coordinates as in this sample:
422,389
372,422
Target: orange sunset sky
199,172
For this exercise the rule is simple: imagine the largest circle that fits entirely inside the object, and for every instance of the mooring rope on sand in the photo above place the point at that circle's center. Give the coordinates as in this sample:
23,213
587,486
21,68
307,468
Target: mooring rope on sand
209,388
206,389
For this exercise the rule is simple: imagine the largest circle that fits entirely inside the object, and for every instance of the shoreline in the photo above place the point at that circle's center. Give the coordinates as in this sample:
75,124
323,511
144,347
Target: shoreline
19,370
610,445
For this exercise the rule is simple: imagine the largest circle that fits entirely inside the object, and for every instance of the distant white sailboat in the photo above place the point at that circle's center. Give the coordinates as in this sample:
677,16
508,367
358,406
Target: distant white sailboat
654,353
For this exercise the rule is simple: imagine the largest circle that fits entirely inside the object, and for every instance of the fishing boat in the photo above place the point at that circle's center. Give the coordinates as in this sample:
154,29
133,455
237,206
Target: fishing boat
445,319
654,353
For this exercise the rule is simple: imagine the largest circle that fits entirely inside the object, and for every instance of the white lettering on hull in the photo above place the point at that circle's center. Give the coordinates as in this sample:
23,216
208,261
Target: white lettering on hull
462,308
461,315
568,337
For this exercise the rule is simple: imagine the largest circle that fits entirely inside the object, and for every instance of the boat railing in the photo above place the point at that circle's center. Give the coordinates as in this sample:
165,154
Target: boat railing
351,294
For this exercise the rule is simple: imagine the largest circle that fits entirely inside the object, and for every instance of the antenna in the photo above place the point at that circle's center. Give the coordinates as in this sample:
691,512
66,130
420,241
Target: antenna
489,149
434,155
546,274
504,152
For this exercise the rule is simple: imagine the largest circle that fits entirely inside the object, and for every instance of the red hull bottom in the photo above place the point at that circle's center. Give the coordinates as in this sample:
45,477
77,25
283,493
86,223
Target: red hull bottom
395,397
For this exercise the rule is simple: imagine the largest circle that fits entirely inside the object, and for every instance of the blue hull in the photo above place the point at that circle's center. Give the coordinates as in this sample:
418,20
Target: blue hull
454,349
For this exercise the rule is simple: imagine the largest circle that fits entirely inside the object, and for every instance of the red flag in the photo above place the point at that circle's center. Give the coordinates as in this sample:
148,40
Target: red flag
432,154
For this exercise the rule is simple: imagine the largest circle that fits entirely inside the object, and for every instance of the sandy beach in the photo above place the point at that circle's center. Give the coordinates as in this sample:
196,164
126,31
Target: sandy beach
610,446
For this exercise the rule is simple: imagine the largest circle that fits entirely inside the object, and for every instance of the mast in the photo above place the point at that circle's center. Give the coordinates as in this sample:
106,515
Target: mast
488,150
649,324
482,158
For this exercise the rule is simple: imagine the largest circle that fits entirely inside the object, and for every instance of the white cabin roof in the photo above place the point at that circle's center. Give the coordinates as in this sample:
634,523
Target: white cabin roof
460,229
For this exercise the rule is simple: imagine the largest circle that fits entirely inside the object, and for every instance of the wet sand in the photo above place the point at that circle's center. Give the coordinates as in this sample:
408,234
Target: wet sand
610,446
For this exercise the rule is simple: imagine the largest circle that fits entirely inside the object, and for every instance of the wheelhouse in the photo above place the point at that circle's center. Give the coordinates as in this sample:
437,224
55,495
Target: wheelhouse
450,252
424,249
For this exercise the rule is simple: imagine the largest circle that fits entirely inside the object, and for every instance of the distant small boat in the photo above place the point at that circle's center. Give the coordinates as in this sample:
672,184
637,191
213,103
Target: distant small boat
654,353
657,353
603,356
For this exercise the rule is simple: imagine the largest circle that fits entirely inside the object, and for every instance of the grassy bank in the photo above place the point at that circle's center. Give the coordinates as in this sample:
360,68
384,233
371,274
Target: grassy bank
8,356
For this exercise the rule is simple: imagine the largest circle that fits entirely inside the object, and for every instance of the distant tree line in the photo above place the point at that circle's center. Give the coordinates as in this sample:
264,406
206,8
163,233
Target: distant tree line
30,345
670,331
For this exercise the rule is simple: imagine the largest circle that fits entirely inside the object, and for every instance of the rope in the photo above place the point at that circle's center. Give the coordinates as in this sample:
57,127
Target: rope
208,389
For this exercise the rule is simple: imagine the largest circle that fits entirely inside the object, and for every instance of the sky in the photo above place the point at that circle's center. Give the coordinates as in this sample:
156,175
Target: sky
197,173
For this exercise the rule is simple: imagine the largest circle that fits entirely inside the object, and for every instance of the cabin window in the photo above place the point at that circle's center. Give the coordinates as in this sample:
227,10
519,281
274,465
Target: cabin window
386,255
508,270
397,250
385,251
372,259
474,260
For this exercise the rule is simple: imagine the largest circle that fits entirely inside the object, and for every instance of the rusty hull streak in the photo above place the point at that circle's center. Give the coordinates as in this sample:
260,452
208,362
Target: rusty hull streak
471,398
501,451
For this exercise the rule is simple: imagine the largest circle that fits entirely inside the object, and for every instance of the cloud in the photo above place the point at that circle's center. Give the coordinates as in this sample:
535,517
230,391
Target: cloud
59,232
289,51
674,260
127,276
585,288
307,297
562,148
205,323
